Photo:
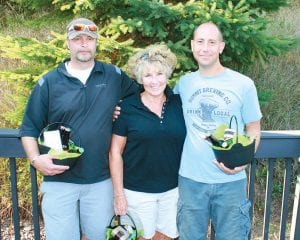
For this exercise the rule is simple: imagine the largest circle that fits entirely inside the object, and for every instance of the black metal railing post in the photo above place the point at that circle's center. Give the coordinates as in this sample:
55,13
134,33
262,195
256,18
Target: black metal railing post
35,206
251,190
268,200
295,228
14,195
0,230
285,197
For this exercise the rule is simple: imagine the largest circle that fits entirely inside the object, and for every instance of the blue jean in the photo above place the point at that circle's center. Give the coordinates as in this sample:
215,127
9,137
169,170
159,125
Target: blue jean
70,208
225,204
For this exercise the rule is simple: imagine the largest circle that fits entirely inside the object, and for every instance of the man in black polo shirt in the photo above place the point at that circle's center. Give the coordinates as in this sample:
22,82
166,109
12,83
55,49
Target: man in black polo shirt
82,93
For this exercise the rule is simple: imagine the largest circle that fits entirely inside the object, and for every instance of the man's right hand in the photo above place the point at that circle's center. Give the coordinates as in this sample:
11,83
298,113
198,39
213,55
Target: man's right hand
45,165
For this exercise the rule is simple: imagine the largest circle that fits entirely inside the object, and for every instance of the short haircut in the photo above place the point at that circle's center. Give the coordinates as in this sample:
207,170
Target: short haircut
210,23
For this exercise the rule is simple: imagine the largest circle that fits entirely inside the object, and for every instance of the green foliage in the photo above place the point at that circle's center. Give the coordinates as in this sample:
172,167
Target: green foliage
79,6
29,5
36,58
264,5
75,6
264,97
39,57
157,21
129,25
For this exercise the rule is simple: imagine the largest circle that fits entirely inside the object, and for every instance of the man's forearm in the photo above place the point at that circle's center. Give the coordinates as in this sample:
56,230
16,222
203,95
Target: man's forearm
253,131
30,146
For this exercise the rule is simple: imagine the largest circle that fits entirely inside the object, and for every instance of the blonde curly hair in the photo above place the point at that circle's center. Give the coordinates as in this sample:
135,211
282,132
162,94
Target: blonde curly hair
154,54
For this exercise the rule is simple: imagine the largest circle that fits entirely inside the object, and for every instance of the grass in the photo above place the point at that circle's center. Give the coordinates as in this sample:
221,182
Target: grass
17,25
278,82
279,88
38,25
6,102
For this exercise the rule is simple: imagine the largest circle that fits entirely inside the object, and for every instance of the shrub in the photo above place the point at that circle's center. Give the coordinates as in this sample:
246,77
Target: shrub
131,24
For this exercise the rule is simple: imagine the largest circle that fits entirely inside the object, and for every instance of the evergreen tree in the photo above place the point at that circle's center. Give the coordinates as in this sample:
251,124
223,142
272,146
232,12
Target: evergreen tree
127,25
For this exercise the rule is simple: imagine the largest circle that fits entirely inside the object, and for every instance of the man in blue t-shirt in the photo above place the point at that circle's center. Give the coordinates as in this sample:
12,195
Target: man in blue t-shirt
208,190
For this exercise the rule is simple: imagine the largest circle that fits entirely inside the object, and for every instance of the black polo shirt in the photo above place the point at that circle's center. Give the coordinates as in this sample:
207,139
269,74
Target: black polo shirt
87,108
154,144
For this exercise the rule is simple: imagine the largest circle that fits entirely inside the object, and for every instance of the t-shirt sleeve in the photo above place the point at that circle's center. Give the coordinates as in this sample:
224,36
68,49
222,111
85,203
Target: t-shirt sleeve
176,89
251,110
35,116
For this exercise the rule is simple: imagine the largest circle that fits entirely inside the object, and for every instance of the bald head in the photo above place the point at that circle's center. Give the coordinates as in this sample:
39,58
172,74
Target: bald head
207,45
209,26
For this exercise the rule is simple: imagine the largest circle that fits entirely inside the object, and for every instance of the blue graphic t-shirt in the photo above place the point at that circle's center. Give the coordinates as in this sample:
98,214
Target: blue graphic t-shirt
207,103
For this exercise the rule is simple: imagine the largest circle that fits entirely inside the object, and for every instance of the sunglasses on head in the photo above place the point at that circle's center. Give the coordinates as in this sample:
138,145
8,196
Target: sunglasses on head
146,56
82,27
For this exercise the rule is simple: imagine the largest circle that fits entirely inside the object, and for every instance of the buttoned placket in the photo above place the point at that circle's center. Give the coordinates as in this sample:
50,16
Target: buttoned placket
163,112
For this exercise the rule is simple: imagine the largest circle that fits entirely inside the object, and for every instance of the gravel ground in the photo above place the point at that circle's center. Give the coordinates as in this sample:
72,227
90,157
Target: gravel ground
26,231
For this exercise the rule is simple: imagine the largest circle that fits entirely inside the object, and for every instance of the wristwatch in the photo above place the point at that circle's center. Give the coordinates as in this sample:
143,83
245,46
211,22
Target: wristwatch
34,159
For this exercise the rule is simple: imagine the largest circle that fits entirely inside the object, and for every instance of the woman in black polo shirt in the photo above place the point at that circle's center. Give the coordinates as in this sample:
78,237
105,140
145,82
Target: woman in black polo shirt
146,145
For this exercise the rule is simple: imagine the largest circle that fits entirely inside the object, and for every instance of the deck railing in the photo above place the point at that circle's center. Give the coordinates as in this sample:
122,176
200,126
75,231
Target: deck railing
274,146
